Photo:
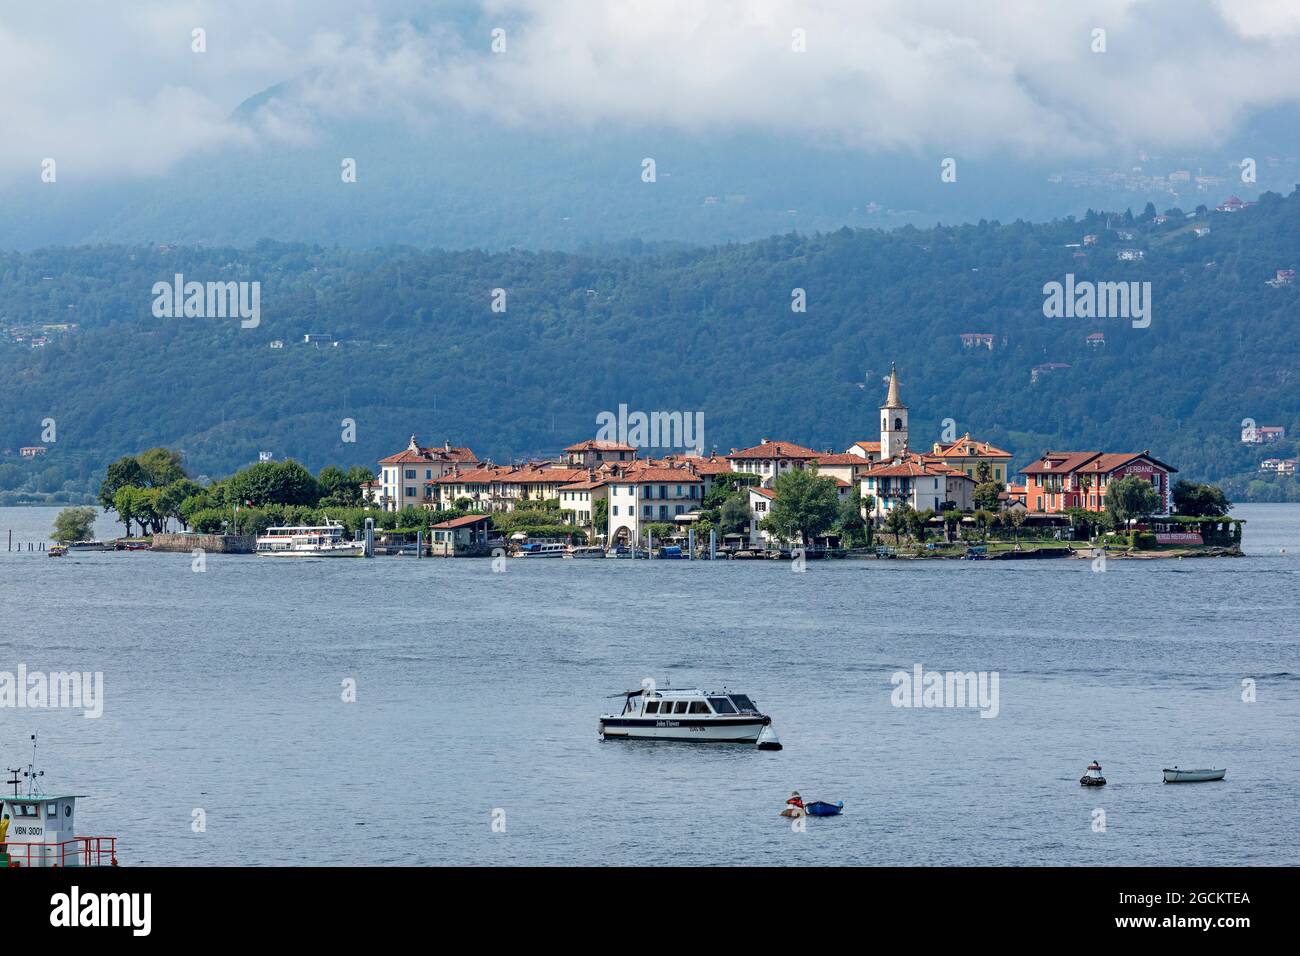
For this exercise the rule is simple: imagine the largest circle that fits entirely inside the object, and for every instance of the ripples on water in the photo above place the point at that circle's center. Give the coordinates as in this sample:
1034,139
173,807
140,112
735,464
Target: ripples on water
479,691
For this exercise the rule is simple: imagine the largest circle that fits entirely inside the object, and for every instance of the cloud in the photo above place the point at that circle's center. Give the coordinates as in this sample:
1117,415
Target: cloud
112,93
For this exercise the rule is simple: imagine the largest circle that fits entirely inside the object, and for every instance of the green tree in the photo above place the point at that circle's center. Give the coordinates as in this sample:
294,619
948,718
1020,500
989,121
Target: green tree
274,482
171,499
734,516
986,494
850,522
898,519
600,517
805,506
74,524
161,467
1200,501
130,505
1131,499
121,473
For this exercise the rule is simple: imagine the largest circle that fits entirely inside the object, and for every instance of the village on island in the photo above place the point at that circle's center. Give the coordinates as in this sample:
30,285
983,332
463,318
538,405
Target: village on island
606,498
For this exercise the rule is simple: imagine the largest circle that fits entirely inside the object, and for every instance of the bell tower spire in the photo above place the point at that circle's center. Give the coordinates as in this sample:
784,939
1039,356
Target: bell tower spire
893,421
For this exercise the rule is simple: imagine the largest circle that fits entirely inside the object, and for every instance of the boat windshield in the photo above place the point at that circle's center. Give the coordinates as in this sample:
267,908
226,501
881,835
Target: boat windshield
721,705
744,704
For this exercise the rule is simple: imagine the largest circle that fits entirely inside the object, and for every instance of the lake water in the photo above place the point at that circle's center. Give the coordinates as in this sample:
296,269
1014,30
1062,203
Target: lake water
479,692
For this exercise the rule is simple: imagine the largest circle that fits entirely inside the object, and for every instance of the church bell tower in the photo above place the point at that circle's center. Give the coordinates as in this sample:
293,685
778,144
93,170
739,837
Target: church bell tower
893,421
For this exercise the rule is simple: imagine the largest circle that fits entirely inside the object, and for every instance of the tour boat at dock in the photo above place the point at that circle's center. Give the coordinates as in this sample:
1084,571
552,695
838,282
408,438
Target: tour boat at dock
308,541
692,715
586,551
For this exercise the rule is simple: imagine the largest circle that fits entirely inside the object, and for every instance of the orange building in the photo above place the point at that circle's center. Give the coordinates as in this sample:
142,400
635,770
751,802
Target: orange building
1061,480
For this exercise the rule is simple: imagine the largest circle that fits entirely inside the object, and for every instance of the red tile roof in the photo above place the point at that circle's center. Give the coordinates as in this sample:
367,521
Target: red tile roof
841,459
593,444
460,522
774,449
967,447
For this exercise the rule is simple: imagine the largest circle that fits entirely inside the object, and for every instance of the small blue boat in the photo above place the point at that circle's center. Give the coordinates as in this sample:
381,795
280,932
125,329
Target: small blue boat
820,808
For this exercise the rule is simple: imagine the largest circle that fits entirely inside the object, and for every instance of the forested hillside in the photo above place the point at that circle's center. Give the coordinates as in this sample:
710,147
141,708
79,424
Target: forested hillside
420,349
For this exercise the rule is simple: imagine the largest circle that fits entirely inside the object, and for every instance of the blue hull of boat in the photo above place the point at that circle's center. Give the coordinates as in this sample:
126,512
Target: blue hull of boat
819,808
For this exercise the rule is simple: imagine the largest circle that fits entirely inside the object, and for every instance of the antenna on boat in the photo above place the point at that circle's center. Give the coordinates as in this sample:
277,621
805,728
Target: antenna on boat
15,782
31,773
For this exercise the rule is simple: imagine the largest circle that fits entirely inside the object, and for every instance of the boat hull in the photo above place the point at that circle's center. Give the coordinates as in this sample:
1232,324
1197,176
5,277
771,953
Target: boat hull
357,552
716,730
1193,776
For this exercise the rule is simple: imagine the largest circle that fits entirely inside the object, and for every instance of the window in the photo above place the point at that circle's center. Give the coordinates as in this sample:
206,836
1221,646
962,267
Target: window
721,705
648,511
614,510
652,707
410,473
743,704
681,706
680,509
699,707
428,473
410,492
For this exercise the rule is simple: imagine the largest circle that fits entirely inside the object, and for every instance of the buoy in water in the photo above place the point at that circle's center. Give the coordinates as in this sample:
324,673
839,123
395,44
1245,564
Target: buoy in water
768,740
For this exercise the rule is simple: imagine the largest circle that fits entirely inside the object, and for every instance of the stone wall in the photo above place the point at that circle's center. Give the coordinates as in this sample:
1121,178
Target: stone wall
212,543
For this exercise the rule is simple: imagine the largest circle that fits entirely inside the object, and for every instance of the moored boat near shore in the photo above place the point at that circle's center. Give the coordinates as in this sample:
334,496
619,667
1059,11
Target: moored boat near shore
308,541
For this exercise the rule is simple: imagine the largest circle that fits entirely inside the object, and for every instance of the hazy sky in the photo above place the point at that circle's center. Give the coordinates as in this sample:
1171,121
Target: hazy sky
114,89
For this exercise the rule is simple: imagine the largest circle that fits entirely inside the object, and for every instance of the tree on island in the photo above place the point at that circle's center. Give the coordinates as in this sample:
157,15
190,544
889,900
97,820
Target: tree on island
898,520
852,526
1131,499
1200,501
805,506
274,482
74,524
986,495
734,516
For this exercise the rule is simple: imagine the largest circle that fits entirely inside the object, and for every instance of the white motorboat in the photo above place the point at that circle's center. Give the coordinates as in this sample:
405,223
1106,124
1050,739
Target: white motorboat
1175,775
539,549
586,551
693,715
92,546
308,541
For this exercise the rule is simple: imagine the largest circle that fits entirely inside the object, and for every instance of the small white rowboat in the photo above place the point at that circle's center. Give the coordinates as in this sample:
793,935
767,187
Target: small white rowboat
1174,775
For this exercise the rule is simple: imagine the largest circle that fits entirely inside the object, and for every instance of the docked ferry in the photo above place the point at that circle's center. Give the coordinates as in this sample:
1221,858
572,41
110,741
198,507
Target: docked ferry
309,541
693,715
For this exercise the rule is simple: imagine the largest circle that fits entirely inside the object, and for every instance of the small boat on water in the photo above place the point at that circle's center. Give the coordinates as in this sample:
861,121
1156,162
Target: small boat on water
1175,775
57,551
308,541
820,808
586,551
1092,776
92,546
538,549
671,552
623,551
691,715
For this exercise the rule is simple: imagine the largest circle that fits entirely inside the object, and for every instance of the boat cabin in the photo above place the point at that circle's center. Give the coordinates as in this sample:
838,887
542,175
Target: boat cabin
697,703
42,831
